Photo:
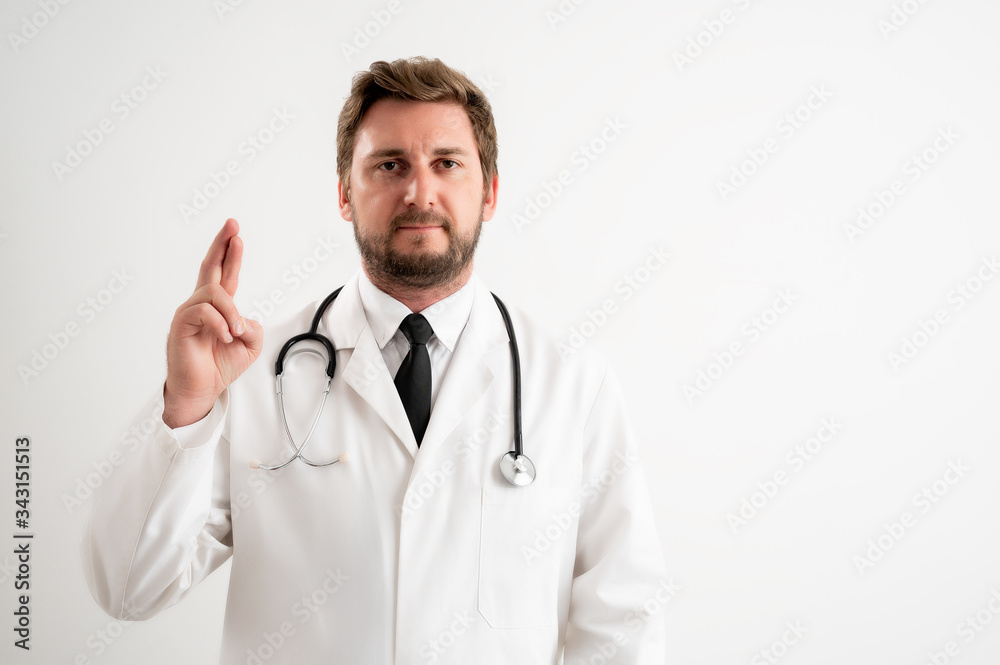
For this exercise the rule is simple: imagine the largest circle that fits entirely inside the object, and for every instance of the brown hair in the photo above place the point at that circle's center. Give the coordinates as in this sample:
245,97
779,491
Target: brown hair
416,79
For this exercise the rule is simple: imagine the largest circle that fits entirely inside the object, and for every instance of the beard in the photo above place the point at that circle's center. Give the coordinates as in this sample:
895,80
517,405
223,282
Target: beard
419,268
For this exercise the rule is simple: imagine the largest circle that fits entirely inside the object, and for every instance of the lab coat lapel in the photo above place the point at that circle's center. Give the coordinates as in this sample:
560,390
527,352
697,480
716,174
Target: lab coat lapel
469,374
367,374
365,371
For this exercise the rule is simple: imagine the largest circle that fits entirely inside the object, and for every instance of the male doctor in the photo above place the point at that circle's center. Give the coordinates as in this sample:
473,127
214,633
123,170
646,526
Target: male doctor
414,548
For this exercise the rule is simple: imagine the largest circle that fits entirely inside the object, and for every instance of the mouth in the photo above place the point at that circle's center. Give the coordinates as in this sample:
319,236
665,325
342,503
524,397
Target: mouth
420,222
419,227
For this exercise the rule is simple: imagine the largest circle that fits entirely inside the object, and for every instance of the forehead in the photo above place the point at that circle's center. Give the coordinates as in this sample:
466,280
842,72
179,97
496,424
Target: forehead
413,126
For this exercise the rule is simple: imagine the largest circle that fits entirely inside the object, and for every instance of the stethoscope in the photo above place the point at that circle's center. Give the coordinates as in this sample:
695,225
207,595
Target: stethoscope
515,466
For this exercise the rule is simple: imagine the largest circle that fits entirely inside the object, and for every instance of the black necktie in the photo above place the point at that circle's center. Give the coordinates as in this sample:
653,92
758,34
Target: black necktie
413,380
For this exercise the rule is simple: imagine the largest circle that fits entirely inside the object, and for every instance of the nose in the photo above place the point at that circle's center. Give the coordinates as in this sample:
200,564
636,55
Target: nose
421,189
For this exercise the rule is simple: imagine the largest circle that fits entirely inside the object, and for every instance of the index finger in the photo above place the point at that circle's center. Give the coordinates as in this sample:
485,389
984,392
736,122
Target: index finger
212,267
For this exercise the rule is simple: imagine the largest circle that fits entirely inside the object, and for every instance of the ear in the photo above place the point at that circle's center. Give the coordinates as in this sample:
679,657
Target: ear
344,202
490,199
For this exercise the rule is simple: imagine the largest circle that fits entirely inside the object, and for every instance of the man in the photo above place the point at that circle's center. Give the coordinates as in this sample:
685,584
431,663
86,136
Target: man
414,548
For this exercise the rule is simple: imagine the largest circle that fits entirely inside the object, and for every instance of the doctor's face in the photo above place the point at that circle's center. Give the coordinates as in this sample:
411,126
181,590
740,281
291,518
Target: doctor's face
416,195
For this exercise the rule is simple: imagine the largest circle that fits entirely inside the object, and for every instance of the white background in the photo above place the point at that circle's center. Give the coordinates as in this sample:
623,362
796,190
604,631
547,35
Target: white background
887,93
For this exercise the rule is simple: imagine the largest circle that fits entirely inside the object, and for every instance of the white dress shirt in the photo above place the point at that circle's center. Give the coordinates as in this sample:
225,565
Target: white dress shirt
447,317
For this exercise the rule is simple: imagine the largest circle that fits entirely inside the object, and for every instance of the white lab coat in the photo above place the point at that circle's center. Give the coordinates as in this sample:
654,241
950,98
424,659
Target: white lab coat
399,555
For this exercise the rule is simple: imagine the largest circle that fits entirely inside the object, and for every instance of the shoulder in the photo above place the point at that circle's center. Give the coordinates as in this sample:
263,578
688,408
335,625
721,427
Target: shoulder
547,354
576,388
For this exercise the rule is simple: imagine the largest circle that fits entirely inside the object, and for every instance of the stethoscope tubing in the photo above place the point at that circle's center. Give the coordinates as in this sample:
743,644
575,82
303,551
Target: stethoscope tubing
515,466
515,361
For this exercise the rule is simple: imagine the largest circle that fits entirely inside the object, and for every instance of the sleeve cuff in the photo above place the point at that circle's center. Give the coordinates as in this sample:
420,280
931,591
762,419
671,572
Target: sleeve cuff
202,432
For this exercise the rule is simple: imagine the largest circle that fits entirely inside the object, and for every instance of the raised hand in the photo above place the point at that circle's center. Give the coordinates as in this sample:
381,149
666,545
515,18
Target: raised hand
209,344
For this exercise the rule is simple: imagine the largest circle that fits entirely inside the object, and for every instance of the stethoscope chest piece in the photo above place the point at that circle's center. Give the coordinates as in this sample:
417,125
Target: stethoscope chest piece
517,469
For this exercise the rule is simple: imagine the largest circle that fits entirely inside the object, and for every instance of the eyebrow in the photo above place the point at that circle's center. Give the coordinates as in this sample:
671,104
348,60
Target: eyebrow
399,152
441,152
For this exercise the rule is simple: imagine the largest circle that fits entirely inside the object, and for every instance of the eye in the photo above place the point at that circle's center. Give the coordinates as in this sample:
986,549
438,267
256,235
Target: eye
389,166
449,163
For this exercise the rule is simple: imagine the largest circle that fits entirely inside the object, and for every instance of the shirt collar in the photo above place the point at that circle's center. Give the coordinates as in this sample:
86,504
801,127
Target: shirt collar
384,313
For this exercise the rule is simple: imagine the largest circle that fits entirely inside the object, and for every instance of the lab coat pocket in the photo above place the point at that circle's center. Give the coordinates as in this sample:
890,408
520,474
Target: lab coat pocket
525,538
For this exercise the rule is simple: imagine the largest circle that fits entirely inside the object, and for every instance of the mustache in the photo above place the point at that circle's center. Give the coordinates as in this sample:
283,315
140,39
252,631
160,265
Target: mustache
420,218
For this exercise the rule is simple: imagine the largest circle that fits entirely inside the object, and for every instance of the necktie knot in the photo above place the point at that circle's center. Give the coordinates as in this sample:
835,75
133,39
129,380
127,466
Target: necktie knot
416,329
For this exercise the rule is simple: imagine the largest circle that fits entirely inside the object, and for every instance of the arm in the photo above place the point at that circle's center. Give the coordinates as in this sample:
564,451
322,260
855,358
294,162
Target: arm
619,574
162,522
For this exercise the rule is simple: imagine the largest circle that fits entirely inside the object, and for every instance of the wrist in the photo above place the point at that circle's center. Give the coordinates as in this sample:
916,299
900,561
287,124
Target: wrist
181,411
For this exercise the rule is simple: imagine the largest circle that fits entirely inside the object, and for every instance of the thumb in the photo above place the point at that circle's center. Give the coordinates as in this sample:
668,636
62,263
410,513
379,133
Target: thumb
253,335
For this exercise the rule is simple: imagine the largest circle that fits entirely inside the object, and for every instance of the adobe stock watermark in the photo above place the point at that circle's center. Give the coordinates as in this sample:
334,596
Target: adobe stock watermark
303,610
32,24
913,168
630,283
896,528
607,651
121,108
911,344
665,592
370,30
786,128
224,8
467,446
563,521
581,159
795,460
44,355
968,629
248,150
751,332
711,31
486,83
99,641
294,277
131,438
438,645
258,483
7,569
561,12
899,16
426,485
778,649
429,481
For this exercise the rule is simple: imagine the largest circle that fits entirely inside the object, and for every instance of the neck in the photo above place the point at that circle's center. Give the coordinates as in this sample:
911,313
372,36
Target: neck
419,298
